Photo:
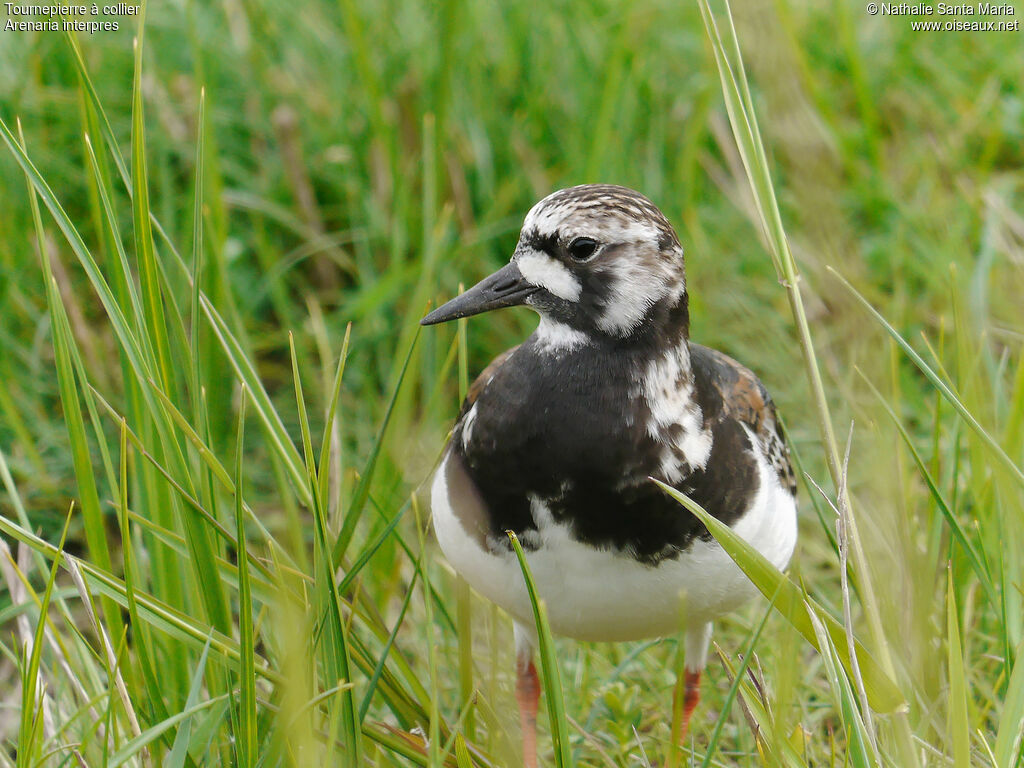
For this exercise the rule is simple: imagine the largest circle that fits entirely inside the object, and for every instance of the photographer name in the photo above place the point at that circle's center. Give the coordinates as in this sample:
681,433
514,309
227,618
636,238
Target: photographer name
946,9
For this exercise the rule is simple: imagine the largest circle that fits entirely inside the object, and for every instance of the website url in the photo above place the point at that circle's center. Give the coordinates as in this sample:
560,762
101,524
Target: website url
956,25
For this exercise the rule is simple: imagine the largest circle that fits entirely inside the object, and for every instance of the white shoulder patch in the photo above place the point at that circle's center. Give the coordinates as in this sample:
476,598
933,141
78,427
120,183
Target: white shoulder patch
770,523
467,426
667,387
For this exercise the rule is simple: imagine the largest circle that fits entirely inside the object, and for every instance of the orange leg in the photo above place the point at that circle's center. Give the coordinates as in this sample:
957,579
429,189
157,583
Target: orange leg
528,696
687,692
691,695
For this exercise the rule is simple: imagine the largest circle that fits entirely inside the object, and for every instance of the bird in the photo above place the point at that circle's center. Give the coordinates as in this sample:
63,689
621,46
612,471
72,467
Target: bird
559,440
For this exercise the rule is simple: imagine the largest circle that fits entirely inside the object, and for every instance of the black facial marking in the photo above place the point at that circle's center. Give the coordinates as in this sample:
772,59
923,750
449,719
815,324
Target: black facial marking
548,243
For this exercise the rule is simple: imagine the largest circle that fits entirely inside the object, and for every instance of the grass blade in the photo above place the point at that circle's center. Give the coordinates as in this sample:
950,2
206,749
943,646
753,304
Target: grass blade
323,467
195,313
140,742
63,343
371,685
857,736
334,643
959,725
247,737
179,751
32,696
143,640
748,140
362,492
1009,732
261,401
144,253
552,680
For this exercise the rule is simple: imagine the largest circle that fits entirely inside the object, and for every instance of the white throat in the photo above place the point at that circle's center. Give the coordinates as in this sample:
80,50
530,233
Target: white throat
555,337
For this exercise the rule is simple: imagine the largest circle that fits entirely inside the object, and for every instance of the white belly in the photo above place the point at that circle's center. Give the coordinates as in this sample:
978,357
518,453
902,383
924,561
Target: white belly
594,594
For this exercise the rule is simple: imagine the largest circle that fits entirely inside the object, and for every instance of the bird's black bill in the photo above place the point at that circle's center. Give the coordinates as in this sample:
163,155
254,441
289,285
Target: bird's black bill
505,288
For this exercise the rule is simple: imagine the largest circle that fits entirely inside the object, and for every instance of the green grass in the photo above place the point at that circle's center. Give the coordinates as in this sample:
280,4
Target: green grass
214,248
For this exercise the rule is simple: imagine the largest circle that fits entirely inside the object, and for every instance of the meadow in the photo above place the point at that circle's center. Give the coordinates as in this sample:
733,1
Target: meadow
219,227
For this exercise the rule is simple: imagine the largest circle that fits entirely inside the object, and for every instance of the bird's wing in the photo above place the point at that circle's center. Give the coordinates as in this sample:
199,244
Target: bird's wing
463,496
481,381
741,396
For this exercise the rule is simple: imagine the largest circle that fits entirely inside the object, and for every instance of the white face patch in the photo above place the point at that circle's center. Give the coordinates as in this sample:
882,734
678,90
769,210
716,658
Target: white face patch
635,285
554,337
543,271
633,290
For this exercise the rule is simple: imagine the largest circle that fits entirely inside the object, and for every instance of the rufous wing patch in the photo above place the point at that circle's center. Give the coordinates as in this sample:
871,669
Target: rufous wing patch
745,399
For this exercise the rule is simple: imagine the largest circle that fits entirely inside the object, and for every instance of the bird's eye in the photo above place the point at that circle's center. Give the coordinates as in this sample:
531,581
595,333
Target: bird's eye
582,248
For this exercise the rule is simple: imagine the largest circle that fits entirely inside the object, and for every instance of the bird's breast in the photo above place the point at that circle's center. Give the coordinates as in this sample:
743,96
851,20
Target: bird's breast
574,434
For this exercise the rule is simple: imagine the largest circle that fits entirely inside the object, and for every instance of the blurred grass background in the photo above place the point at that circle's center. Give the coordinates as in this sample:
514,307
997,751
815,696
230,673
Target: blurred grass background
359,160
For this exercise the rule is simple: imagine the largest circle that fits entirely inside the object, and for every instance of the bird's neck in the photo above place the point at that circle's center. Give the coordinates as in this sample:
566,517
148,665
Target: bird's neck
665,326
669,322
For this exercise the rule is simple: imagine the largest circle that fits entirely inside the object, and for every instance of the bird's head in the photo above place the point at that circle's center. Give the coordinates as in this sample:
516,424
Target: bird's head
597,259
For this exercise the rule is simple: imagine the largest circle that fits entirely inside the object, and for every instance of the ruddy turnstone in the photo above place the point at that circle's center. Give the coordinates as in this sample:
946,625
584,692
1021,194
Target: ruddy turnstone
558,439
